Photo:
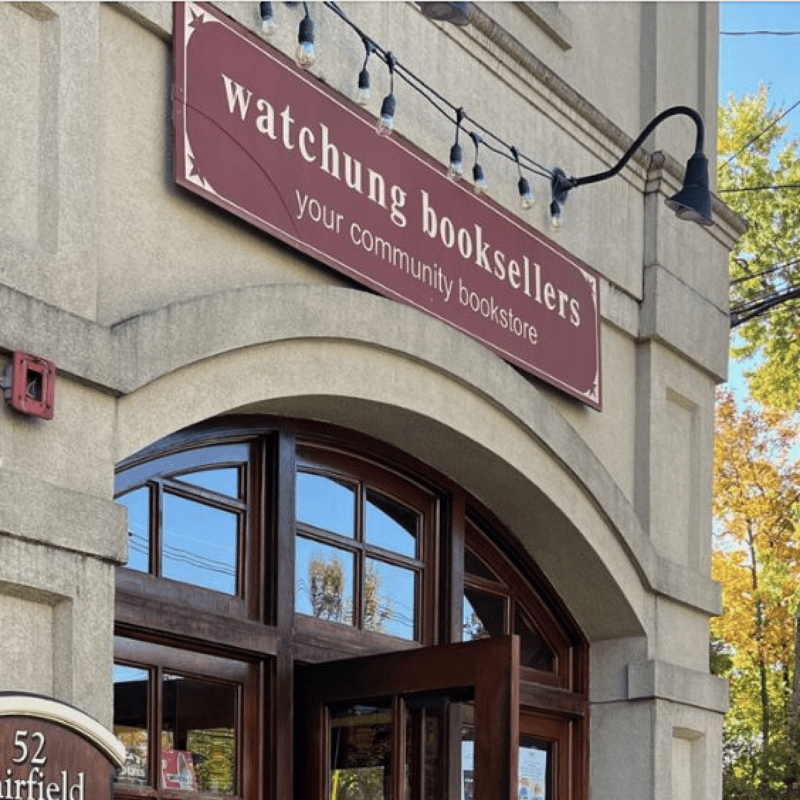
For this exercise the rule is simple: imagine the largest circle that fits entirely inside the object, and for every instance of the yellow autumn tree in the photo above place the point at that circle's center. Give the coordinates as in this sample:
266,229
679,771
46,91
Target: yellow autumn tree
757,560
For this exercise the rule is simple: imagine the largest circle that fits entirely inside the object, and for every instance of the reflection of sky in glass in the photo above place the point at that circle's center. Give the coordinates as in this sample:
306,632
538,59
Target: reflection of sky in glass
390,594
326,503
138,504
391,525
223,481
323,581
125,674
199,544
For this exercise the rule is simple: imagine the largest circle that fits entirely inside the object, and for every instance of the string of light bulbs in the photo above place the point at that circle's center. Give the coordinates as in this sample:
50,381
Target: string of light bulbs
481,136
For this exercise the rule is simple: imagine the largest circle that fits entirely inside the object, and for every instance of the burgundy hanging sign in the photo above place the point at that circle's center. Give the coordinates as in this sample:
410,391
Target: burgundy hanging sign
271,144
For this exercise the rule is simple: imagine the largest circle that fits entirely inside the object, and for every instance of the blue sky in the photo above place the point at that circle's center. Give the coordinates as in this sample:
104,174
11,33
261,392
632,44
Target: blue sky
746,60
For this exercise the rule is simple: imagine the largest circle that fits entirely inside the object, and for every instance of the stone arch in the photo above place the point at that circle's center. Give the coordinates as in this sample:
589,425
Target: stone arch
389,371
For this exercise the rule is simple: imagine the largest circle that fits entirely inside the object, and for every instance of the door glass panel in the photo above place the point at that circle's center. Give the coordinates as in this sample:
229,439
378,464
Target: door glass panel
130,722
324,581
389,599
467,753
534,760
326,503
200,544
484,615
426,754
360,757
534,651
223,481
198,736
138,504
391,525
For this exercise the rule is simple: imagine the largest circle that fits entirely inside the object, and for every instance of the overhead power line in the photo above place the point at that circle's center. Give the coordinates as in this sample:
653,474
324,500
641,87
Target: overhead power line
761,133
761,188
759,33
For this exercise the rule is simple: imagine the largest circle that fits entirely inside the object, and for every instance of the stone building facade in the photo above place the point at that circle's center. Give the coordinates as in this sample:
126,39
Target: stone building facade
219,388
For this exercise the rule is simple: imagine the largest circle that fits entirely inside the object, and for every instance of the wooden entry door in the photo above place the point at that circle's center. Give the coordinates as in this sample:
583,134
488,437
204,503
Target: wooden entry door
436,723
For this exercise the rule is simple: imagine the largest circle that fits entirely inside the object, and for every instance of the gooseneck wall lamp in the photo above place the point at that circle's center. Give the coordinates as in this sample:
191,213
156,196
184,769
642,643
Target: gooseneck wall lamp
692,202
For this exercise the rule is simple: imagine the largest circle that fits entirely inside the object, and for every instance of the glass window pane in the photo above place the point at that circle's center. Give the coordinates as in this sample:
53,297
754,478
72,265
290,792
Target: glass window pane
391,525
427,745
475,566
390,599
484,615
360,758
199,544
324,581
199,736
130,722
326,503
534,650
533,769
467,752
223,481
138,504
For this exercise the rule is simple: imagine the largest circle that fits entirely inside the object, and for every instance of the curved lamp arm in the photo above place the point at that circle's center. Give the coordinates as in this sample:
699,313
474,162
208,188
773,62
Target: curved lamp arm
693,202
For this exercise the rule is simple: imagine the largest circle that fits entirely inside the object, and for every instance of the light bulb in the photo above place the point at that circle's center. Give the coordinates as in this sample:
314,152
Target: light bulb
556,215
305,54
479,180
268,23
456,168
526,196
386,119
363,95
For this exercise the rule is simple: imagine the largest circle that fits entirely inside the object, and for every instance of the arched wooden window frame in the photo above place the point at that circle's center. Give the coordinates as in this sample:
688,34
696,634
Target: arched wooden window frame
258,626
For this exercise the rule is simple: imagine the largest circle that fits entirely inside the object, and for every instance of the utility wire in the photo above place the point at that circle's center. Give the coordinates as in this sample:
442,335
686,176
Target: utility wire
760,134
761,188
768,271
759,33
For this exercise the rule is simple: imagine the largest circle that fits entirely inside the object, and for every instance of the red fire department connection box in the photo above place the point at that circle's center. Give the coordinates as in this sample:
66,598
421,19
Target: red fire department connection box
30,385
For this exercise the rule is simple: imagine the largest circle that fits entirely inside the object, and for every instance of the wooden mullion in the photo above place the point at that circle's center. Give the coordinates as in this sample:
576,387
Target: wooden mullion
399,746
156,527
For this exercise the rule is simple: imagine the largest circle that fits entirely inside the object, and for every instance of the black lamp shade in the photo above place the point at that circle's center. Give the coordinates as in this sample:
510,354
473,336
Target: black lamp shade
693,201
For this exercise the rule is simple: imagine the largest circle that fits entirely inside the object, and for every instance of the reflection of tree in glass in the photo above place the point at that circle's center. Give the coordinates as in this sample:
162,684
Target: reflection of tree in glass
473,628
327,581
214,751
365,783
377,609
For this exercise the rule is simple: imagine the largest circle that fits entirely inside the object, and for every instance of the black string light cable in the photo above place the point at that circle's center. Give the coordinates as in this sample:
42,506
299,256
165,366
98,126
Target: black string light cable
456,167
363,94
526,198
388,106
560,184
479,183
440,103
